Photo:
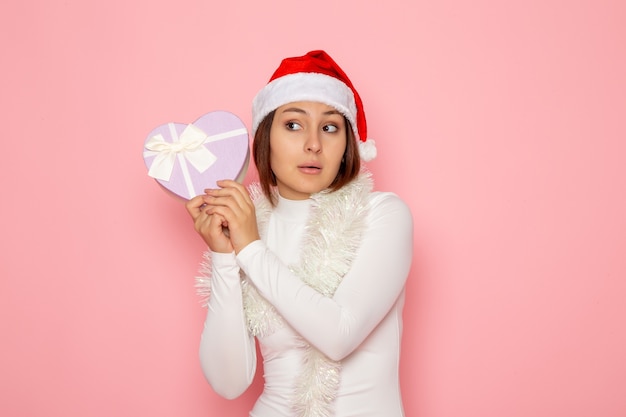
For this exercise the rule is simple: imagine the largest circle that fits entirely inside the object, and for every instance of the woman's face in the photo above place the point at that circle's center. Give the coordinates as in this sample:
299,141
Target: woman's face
307,143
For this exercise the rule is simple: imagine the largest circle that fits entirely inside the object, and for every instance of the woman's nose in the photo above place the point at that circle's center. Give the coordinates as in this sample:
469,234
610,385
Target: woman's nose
313,142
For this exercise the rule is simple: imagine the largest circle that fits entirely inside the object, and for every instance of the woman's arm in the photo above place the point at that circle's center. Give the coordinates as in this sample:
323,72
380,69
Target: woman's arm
339,325
227,350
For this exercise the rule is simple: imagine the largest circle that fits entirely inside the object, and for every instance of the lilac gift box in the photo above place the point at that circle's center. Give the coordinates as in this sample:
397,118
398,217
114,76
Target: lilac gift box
186,159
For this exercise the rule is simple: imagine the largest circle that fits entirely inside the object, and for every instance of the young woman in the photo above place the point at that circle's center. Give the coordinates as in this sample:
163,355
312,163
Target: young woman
311,262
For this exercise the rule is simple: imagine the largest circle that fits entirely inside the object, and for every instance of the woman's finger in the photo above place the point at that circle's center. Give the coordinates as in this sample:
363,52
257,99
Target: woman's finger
233,196
243,192
195,206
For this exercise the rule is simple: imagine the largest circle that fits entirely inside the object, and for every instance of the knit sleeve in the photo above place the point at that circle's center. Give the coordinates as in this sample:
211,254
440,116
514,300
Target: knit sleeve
227,350
338,325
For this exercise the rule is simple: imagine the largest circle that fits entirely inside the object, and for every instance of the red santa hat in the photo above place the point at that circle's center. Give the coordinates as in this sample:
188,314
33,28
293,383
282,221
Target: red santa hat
314,77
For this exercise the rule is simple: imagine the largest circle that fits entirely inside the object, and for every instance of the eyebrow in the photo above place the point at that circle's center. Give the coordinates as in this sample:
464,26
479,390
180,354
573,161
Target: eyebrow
302,111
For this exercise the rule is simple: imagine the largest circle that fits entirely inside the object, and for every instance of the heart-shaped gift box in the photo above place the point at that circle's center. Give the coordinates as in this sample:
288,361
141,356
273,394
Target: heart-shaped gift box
186,159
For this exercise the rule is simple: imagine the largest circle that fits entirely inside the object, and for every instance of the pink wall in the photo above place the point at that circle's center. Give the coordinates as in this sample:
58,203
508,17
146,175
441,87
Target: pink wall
500,123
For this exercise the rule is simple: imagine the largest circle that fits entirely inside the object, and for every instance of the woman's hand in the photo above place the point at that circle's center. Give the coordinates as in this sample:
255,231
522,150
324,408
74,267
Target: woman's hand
233,206
211,227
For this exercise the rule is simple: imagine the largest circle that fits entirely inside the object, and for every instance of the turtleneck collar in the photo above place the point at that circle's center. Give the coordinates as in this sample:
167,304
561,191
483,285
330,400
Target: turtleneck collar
293,210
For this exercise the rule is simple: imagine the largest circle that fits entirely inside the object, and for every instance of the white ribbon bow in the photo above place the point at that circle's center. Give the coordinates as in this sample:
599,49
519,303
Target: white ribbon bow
190,144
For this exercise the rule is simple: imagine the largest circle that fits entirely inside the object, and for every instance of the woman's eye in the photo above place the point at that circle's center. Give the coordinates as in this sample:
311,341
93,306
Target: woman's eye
293,126
330,128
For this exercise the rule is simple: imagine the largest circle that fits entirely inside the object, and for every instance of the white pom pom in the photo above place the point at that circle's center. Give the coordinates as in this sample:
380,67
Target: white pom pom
367,150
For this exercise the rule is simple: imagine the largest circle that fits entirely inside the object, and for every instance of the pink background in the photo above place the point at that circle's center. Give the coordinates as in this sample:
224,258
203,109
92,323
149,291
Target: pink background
501,123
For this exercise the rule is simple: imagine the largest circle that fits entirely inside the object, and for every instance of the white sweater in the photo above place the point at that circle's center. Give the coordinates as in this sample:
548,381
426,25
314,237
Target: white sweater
361,325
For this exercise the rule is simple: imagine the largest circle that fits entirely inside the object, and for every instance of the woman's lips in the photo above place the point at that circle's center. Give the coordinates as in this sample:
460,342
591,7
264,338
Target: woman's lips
310,168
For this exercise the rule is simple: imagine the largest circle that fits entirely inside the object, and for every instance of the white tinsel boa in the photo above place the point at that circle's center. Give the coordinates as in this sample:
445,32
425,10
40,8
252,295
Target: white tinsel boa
331,239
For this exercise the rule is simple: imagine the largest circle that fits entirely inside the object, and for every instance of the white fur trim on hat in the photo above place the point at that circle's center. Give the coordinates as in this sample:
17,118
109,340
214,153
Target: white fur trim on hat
305,86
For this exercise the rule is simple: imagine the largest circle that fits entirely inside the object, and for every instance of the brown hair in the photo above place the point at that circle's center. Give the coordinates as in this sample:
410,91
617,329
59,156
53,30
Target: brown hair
348,170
